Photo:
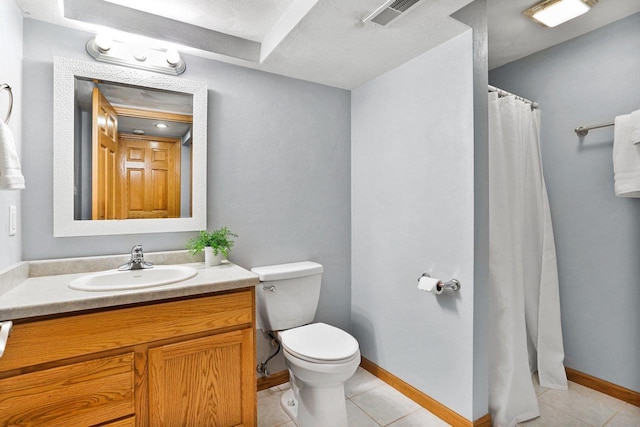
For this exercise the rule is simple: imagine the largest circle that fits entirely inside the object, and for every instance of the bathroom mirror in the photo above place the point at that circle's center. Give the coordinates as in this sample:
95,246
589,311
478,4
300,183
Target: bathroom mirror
130,151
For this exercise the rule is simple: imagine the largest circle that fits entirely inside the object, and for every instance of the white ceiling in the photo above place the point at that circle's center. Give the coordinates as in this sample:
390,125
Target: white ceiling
321,41
250,20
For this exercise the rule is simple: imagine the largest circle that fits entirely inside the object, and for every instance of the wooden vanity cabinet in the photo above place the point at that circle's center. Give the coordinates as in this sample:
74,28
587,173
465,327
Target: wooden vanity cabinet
175,371
188,362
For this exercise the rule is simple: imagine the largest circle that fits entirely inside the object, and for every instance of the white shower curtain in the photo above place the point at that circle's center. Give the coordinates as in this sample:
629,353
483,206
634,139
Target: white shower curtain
525,314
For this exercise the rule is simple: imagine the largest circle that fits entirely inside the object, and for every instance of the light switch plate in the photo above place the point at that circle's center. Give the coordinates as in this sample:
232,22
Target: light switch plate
13,220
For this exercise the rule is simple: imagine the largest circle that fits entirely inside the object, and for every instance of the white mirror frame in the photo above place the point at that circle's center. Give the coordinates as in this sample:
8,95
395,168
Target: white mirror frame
65,71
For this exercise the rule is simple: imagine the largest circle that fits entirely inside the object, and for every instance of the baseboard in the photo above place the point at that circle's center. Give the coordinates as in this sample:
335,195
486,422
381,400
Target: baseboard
430,404
603,386
272,380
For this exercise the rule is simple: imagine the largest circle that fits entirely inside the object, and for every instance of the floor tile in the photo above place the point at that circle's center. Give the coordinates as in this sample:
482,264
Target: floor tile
536,385
629,416
420,418
582,403
385,404
270,414
631,410
360,382
268,392
285,386
357,417
608,400
552,417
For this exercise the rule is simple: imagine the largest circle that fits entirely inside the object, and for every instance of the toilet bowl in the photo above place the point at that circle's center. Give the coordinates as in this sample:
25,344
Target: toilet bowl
320,358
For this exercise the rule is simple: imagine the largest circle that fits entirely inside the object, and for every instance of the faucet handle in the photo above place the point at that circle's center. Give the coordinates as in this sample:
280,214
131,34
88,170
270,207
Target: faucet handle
136,253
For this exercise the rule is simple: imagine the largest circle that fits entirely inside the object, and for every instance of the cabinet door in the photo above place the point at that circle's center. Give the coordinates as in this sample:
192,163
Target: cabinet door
79,394
208,381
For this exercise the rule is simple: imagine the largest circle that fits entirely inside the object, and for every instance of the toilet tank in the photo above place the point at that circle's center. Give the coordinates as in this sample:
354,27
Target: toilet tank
288,294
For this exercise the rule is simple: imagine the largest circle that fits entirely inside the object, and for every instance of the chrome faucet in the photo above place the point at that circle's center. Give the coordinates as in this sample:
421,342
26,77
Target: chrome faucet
137,260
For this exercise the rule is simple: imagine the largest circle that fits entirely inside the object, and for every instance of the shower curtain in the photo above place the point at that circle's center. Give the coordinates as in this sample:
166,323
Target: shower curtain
525,313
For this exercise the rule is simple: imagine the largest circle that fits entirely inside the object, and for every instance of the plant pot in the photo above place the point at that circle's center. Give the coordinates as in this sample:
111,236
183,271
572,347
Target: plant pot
210,259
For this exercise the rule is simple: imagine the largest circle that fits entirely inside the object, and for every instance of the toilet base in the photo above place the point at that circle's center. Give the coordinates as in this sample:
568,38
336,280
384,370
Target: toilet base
316,407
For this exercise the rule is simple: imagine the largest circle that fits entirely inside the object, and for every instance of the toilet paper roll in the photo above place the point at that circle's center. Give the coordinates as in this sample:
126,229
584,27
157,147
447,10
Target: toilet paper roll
430,284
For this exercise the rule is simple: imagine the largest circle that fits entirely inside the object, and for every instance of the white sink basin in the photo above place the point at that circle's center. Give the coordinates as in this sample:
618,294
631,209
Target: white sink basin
114,280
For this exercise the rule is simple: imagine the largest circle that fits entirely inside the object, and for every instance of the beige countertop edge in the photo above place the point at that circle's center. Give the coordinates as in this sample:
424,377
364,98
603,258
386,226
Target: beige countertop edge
54,297
115,300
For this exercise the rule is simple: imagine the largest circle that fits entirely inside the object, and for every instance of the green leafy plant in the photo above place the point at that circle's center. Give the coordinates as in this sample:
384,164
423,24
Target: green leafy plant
220,240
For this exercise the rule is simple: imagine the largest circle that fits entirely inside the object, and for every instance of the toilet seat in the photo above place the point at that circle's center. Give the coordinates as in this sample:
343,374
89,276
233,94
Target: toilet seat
320,343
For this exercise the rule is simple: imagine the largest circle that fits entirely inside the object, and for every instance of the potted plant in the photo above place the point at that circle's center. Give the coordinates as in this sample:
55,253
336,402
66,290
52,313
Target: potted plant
215,244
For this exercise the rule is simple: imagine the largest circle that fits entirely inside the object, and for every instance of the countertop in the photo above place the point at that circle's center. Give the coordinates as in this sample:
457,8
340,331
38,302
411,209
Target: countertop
49,294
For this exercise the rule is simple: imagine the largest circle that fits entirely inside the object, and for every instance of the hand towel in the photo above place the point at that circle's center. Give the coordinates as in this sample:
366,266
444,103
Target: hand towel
635,127
10,173
626,159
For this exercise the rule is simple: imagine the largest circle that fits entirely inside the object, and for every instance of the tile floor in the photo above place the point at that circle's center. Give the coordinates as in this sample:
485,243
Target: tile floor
581,407
373,403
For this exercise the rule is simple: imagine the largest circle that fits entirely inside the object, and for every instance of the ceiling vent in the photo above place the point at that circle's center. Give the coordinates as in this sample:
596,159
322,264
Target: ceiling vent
389,11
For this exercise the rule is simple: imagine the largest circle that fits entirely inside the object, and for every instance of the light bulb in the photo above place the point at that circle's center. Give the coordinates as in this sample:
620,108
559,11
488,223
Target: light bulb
173,57
103,42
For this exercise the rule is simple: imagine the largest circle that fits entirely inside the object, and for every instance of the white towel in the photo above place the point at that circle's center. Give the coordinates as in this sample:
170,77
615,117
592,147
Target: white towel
626,159
635,127
10,173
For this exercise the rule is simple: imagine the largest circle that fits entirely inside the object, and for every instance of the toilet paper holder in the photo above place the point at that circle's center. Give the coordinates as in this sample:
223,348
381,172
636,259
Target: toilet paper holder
453,284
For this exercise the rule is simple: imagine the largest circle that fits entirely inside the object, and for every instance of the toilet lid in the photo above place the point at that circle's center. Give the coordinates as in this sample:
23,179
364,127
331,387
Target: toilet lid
319,341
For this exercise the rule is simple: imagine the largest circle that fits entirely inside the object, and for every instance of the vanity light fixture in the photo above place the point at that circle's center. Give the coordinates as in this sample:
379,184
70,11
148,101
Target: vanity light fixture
551,13
105,49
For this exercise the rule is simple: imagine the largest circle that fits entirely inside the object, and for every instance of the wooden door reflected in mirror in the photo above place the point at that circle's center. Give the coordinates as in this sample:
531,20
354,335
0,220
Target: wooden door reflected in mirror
104,158
135,176
149,176
140,159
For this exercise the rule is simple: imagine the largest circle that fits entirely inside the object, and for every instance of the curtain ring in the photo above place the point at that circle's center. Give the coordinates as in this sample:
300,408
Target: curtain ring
6,86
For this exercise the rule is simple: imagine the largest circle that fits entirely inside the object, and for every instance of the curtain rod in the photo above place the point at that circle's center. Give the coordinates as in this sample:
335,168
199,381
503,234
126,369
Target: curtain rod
502,92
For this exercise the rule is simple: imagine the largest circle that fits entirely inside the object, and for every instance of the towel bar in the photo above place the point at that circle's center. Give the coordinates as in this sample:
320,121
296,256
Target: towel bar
584,130
6,86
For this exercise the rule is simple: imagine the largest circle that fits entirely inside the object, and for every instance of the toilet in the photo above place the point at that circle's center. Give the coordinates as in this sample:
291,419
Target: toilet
319,357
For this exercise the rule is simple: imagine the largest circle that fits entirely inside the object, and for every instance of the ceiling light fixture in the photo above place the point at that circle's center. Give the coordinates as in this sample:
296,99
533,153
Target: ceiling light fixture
551,13
161,125
105,49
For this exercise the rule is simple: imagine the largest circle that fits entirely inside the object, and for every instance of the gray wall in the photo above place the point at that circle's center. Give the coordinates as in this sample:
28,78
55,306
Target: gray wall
413,212
475,15
11,73
590,80
278,167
